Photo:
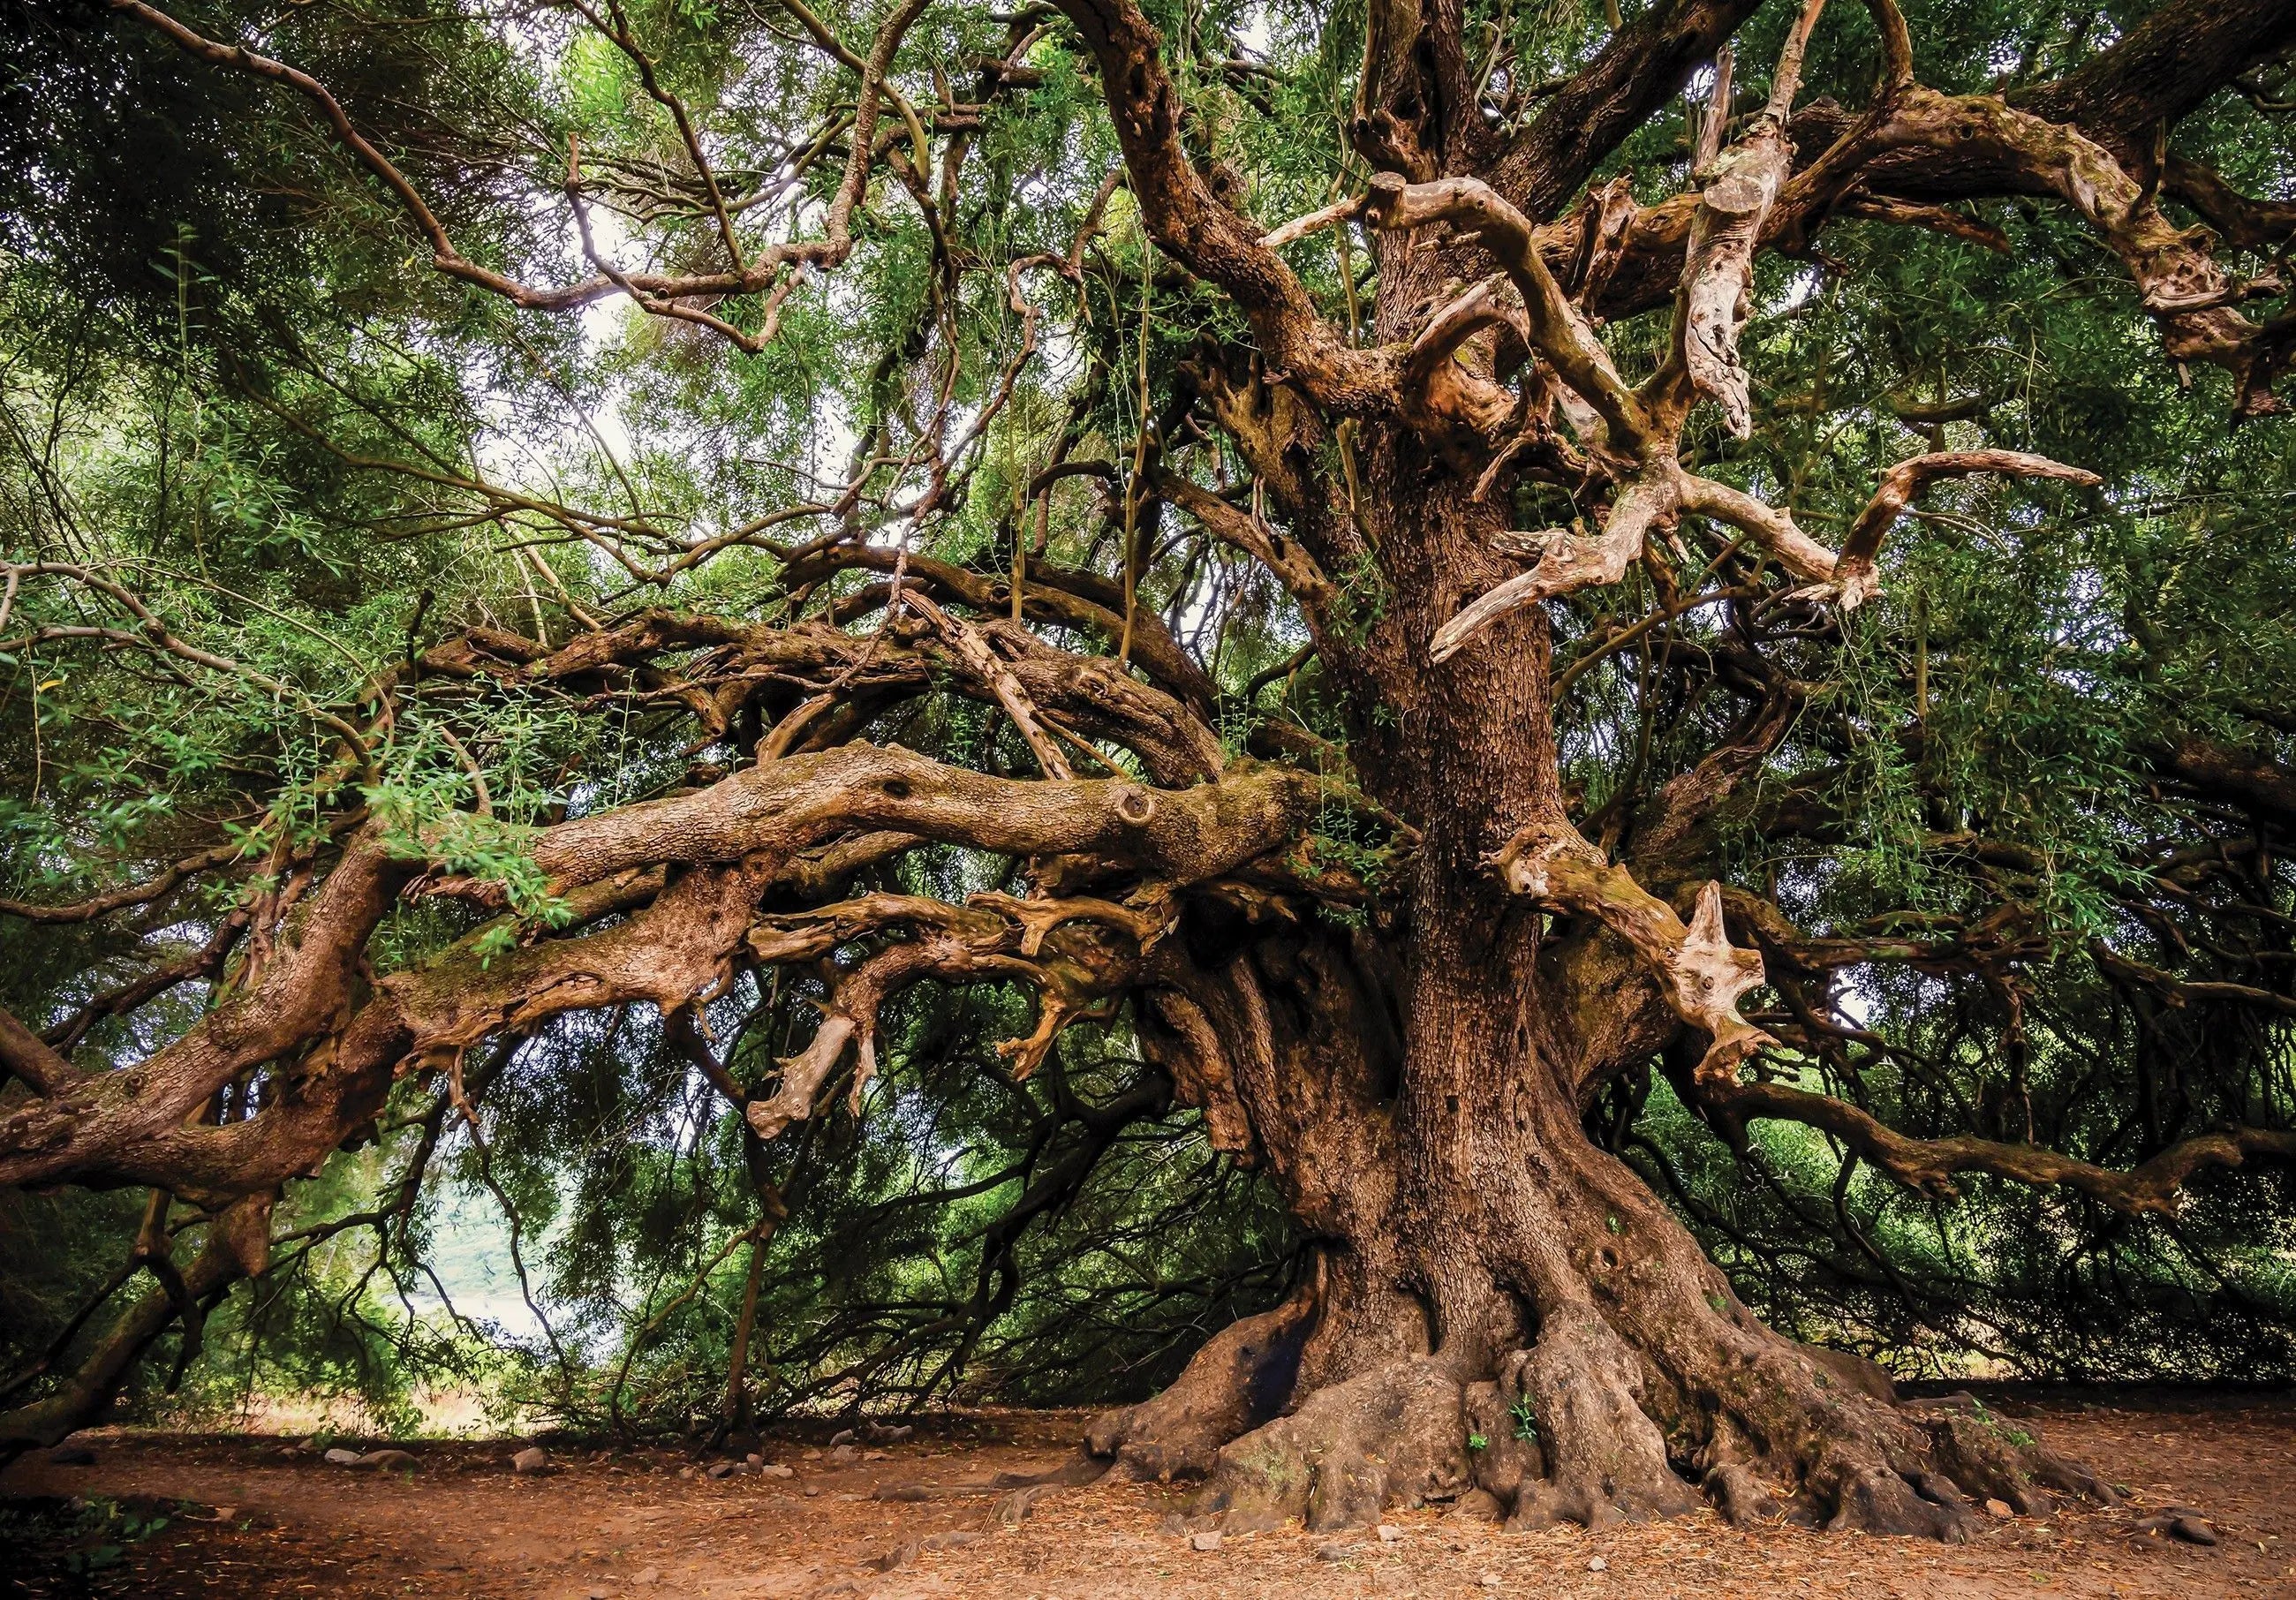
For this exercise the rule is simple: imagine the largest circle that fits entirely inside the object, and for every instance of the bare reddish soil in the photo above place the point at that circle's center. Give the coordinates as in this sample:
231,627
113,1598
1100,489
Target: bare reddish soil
257,1519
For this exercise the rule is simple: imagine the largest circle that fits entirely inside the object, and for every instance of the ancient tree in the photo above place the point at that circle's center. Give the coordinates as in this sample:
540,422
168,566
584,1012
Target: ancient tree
1463,429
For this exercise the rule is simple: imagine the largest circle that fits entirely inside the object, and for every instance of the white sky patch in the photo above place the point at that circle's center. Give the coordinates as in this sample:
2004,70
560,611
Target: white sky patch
470,1253
1798,291
1253,36
1854,1002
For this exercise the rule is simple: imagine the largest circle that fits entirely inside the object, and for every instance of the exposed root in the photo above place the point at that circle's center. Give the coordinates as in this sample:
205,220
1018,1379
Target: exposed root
1991,1457
1239,1380
1606,1460
1598,1423
1742,1498
1394,1436
1874,1499
1890,1469
1499,1414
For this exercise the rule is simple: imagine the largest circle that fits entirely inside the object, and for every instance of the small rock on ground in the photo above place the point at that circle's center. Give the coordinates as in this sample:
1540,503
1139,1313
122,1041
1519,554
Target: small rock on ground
1598,1565
1334,1551
338,1457
532,1460
1389,1533
647,1575
2000,1508
1203,1541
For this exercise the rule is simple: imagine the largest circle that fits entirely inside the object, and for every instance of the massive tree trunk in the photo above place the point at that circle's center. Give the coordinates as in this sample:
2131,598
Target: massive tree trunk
1499,1305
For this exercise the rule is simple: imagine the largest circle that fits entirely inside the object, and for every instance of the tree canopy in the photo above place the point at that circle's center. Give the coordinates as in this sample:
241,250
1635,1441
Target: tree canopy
874,685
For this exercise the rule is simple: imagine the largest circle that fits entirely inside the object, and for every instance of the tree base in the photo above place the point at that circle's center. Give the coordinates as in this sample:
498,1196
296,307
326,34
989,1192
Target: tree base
1563,1433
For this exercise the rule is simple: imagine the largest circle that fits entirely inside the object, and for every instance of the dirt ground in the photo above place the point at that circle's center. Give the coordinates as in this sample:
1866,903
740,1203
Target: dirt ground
252,1519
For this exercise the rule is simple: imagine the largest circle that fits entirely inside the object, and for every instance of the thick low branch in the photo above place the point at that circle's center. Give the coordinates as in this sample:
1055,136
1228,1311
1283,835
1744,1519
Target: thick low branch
1929,1165
27,1055
1701,974
1571,561
237,1246
1184,835
1853,573
733,840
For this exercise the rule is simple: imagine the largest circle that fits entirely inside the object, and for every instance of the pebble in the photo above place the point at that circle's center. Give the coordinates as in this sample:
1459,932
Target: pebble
812,1489
648,1575
338,1457
1491,1581
721,1469
1389,1533
844,1452
843,1436
530,1461
775,1469
402,1460
813,1454
1334,1551
2000,1508
1203,1541
754,1460
1598,1565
